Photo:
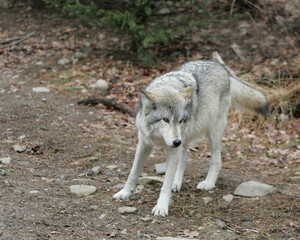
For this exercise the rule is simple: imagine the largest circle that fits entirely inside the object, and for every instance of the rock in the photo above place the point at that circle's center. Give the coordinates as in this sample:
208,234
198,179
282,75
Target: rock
101,86
150,179
22,137
3,172
126,210
19,148
34,192
207,200
102,216
221,224
40,63
5,160
94,159
111,167
146,219
96,170
40,89
64,61
80,55
82,190
160,168
138,189
254,189
228,197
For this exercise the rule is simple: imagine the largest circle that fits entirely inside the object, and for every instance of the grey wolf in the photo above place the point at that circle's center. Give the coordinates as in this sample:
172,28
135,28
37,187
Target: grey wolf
180,107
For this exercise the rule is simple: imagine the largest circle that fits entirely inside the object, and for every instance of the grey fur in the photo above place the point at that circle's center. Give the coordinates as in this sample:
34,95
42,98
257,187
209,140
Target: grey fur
180,107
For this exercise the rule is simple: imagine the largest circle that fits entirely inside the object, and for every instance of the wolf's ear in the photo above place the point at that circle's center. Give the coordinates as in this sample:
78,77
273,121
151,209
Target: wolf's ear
150,96
187,92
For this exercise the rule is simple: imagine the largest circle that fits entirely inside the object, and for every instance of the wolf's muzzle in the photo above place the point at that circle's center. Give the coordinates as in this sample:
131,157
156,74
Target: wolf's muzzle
176,142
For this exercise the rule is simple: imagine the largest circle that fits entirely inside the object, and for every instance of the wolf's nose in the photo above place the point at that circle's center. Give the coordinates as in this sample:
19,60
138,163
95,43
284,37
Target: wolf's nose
176,142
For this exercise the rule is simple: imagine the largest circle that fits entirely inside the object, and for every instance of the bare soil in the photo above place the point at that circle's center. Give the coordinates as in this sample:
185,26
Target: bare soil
62,137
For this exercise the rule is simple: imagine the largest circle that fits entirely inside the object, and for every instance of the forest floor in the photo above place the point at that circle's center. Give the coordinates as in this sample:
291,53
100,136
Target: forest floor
64,140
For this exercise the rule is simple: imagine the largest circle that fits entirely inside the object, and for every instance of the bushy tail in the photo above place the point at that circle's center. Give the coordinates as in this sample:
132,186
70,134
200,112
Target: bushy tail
246,98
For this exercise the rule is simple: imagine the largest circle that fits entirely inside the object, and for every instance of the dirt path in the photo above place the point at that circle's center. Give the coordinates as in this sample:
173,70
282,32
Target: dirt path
64,141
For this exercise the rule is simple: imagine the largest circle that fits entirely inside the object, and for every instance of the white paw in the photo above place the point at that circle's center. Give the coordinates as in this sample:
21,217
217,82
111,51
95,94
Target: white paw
176,187
161,209
206,185
123,194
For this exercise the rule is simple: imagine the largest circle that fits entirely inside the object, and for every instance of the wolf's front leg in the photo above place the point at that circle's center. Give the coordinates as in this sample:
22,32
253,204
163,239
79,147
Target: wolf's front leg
180,170
161,208
142,153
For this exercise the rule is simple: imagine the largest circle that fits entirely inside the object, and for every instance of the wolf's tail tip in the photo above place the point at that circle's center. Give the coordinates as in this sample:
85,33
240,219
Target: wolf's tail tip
263,110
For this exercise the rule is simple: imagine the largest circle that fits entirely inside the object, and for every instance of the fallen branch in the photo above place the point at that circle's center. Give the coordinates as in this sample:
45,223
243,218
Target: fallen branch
17,42
112,102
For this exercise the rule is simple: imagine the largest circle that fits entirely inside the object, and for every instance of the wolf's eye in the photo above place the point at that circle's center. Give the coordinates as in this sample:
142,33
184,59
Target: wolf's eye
181,121
166,120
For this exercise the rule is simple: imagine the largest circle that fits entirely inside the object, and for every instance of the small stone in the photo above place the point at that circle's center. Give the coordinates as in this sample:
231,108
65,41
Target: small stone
94,159
228,197
126,210
102,216
254,189
207,200
112,167
40,63
221,224
150,179
146,219
138,189
40,89
101,86
3,172
80,55
19,149
96,170
34,192
124,231
22,137
82,190
64,61
160,168
5,160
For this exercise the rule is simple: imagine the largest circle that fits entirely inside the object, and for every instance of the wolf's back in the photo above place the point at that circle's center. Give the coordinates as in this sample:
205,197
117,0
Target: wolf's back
245,98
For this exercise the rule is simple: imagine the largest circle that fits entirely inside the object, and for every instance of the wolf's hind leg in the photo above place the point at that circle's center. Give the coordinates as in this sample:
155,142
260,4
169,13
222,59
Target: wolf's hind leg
142,153
215,139
177,183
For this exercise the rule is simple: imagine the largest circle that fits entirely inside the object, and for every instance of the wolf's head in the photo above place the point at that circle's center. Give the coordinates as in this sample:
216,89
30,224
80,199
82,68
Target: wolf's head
165,113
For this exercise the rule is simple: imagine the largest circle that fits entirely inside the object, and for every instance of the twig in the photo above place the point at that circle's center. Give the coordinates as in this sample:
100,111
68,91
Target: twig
109,103
238,52
19,41
231,8
10,40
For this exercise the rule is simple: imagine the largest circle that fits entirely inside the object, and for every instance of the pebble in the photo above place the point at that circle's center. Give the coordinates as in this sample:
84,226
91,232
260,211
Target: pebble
102,216
40,89
22,137
5,160
96,170
111,167
254,189
138,189
83,190
207,200
126,210
228,197
101,86
34,192
94,159
160,168
80,55
4,173
149,179
146,219
221,224
40,63
19,148
64,61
